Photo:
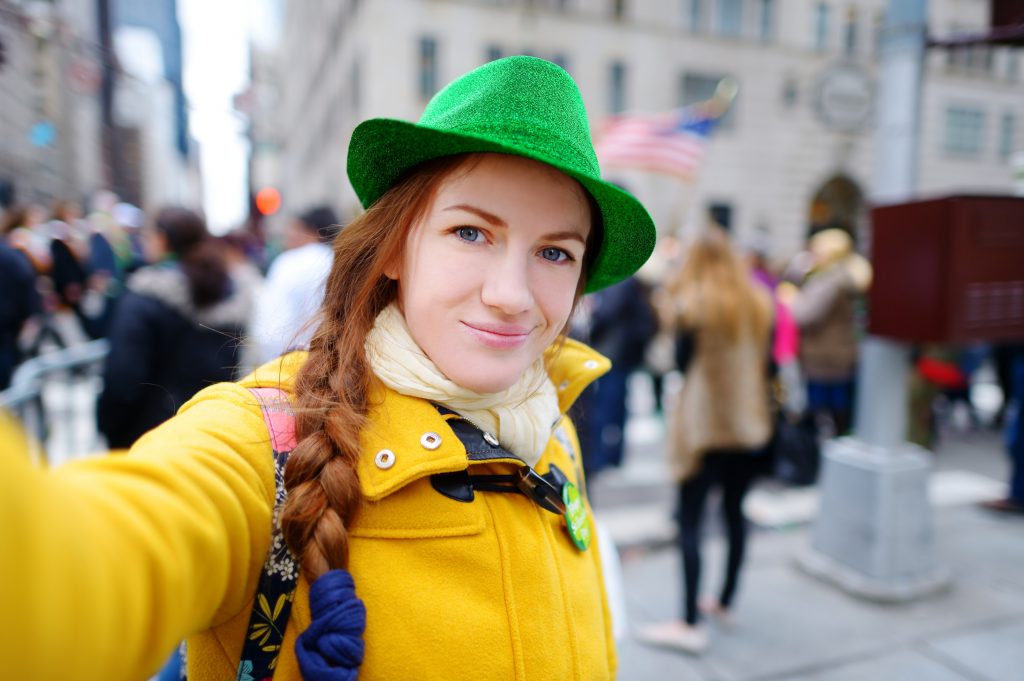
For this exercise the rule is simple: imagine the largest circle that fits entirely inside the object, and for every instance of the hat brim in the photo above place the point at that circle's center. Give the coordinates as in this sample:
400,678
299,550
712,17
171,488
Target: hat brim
383,149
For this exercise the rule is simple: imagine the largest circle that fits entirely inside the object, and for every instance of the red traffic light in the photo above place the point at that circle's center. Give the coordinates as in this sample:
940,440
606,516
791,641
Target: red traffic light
268,201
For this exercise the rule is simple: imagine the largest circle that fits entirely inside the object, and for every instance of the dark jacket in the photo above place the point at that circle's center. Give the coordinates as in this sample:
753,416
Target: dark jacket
622,323
19,300
163,350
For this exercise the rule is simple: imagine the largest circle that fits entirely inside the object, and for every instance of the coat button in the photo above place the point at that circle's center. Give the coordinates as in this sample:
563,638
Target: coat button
385,459
590,364
430,441
490,439
563,385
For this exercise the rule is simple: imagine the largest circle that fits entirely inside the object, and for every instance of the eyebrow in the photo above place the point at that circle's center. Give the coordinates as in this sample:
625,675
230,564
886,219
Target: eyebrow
498,222
489,217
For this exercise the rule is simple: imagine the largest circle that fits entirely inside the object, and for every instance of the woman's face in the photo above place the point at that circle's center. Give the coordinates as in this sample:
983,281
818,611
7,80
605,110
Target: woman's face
491,269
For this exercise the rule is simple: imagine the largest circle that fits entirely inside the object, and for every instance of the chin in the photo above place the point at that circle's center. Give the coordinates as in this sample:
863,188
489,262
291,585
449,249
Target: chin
483,380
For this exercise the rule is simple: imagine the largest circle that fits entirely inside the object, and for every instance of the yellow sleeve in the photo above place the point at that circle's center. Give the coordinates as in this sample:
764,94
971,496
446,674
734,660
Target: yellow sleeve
107,563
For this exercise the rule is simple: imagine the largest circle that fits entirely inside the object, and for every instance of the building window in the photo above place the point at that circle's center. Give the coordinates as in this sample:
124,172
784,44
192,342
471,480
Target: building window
696,15
494,52
697,87
1012,66
720,213
965,129
850,32
617,87
971,58
767,28
821,27
428,67
730,17
1006,134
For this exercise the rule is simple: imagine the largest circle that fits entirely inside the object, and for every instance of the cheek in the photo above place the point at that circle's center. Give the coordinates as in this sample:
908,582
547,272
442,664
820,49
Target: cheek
556,297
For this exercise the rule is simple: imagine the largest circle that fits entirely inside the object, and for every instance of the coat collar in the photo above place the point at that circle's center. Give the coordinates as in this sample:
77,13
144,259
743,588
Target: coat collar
406,438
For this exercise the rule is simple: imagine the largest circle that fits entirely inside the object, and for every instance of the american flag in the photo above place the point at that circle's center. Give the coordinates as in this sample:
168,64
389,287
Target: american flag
671,143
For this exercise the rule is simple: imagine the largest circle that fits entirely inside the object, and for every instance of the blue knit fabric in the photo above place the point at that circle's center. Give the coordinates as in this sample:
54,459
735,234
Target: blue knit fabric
331,649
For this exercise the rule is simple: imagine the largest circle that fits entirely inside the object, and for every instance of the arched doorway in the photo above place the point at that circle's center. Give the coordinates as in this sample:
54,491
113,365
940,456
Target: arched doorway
839,202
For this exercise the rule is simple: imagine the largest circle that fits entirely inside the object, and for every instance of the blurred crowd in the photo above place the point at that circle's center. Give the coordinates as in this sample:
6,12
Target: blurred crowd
181,308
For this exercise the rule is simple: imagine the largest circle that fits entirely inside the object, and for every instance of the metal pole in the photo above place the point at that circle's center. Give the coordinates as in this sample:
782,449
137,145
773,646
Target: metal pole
873,534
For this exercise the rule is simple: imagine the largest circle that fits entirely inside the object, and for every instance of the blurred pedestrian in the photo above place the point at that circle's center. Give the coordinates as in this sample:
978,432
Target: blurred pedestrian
720,424
620,324
17,304
411,480
1013,502
176,329
294,286
825,308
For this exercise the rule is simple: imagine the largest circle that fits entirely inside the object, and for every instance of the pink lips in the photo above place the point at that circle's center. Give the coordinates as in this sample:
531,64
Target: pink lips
498,336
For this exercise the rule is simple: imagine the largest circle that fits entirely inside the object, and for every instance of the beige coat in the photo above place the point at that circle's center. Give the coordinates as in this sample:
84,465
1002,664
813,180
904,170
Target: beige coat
724,402
825,310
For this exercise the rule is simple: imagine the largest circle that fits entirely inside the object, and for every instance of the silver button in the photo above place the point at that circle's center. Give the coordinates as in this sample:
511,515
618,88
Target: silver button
385,459
490,439
590,364
563,385
430,441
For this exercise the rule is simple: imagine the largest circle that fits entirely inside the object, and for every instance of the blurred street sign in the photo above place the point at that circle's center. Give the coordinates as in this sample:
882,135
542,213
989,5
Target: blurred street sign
42,134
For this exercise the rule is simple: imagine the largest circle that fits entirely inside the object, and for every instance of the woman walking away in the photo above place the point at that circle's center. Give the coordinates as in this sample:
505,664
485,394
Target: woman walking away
720,424
403,499
176,329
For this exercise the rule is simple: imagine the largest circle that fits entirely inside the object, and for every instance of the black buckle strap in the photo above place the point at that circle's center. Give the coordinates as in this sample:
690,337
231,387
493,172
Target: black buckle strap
543,490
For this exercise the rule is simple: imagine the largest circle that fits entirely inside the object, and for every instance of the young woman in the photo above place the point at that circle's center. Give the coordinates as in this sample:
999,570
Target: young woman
720,423
428,516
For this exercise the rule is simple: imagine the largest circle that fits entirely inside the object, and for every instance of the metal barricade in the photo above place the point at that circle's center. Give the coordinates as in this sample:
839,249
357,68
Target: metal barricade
54,397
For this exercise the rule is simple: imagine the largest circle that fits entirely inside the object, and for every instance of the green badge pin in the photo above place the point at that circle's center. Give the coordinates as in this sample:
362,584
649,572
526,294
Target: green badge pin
576,518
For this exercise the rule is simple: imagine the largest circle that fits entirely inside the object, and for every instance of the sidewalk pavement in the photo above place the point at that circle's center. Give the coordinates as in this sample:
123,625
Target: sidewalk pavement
793,627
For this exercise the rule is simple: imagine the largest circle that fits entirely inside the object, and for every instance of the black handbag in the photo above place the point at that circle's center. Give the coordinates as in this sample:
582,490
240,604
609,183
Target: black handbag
794,450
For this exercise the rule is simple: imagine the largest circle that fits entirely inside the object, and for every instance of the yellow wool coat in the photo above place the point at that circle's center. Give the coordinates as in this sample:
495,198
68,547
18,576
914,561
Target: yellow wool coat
105,563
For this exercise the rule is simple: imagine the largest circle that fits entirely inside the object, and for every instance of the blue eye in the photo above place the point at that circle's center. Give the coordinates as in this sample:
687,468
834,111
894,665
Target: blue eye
554,254
468,233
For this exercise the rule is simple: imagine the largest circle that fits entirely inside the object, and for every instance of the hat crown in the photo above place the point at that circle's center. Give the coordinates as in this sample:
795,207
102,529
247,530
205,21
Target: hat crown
527,102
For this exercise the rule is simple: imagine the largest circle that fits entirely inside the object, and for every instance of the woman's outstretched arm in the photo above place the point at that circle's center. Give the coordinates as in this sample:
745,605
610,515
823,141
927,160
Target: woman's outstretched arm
106,563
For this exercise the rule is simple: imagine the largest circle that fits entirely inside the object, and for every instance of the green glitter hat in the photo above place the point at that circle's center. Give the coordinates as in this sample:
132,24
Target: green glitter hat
517,105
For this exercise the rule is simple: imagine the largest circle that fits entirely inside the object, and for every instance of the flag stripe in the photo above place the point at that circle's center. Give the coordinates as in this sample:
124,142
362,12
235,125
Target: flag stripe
671,143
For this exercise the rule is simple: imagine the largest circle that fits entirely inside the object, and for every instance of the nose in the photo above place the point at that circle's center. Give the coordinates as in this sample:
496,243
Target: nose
507,285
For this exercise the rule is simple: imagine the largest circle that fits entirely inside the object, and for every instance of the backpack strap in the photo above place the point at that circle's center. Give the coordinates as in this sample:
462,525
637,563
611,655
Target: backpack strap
273,603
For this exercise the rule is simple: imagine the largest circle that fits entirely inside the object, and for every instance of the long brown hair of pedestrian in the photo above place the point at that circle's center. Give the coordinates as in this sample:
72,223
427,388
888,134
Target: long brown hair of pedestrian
713,290
332,386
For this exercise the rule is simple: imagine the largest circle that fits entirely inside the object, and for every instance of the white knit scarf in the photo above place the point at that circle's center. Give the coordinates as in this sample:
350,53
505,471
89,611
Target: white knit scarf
521,416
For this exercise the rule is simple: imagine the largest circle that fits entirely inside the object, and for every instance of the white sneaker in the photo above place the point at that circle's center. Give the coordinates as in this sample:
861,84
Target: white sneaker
675,635
713,610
